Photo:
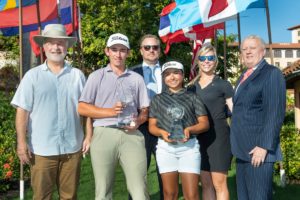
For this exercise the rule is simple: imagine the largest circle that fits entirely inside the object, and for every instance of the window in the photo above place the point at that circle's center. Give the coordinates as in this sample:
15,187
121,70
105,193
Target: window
277,64
288,53
298,53
277,53
267,53
298,33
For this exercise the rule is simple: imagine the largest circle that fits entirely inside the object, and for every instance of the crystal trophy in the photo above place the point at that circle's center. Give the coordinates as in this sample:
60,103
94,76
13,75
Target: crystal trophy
128,115
176,112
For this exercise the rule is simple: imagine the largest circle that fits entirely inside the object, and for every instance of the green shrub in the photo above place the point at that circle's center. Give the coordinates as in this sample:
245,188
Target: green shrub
290,140
9,162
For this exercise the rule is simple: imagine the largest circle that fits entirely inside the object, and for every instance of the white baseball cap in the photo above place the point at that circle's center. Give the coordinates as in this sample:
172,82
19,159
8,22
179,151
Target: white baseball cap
118,38
172,65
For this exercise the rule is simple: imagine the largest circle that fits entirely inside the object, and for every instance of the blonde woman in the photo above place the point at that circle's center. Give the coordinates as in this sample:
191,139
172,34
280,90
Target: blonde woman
216,94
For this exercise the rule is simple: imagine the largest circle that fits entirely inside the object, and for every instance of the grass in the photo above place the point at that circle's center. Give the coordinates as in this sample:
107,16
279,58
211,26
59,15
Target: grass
87,189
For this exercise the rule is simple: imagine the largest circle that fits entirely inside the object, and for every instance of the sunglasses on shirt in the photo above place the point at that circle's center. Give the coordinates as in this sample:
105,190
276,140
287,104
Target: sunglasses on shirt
209,58
148,47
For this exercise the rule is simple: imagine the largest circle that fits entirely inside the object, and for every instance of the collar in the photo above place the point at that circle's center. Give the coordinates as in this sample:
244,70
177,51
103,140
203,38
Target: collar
109,69
144,64
45,67
169,92
258,64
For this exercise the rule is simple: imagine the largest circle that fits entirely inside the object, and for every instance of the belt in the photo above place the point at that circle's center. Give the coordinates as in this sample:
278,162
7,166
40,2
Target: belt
112,126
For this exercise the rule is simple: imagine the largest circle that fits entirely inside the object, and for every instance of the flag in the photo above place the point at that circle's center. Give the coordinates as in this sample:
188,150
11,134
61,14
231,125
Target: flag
48,11
188,13
197,32
10,4
66,17
66,9
10,31
193,71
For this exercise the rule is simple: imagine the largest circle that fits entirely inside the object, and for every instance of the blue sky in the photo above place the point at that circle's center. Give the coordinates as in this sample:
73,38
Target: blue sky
284,14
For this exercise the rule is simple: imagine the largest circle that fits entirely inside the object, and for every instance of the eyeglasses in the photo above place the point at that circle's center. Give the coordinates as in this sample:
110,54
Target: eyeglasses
148,47
209,58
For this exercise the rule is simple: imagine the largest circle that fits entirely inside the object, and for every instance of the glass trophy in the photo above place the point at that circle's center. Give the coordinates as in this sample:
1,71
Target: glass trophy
128,115
176,112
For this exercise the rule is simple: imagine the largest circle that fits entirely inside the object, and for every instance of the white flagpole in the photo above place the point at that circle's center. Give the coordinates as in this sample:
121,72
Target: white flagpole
21,76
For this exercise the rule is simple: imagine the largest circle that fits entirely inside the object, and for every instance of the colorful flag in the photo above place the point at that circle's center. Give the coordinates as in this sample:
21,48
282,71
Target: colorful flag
48,11
66,18
65,13
194,66
197,32
10,4
188,13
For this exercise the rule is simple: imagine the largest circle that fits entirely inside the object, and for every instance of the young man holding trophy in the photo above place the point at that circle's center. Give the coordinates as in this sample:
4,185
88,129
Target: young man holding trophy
116,99
176,116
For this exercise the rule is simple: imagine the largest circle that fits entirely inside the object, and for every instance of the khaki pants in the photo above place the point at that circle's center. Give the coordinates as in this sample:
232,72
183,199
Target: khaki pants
62,171
110,146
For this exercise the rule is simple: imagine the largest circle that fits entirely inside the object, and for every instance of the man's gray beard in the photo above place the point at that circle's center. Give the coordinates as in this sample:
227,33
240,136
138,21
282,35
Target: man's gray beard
57,57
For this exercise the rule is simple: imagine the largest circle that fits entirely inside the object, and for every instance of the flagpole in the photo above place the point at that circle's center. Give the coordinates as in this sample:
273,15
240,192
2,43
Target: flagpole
269,32
21,76
225,58
39,28
216,38
73,25
239,38
80,45
20,38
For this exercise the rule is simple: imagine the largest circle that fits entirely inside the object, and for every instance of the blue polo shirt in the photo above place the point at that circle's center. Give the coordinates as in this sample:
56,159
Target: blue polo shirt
54,125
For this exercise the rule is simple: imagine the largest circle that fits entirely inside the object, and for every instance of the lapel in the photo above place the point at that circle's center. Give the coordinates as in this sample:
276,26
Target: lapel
255,73
139,70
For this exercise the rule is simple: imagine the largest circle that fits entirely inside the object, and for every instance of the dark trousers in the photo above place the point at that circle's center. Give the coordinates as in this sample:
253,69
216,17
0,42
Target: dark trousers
150,145
254,183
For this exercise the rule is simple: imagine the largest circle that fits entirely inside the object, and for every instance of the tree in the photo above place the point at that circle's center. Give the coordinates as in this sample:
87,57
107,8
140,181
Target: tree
101,18
10,44
232,58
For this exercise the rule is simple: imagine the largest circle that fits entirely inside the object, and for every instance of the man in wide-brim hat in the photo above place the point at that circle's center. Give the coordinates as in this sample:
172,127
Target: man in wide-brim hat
46,102
56,31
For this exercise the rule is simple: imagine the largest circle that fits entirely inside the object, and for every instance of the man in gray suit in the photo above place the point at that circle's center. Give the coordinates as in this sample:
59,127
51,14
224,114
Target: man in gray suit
258,114
150,69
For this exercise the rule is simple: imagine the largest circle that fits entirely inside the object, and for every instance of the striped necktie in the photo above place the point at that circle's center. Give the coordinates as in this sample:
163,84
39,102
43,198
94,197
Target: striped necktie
246,74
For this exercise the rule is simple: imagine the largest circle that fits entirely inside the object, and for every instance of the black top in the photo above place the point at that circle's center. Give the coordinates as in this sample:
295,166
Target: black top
215,143
192,105
214,97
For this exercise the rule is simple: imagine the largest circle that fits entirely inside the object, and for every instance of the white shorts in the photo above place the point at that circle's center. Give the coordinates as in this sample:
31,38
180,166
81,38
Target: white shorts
182,157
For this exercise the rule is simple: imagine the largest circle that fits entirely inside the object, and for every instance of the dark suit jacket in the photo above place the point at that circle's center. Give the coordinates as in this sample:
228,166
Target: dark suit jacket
258,113
139,69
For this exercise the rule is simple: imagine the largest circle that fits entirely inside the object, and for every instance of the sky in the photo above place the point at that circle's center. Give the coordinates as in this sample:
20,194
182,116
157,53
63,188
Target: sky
283,15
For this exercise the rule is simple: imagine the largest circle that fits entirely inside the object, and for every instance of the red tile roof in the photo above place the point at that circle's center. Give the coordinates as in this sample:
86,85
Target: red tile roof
293,67
294,27
275,45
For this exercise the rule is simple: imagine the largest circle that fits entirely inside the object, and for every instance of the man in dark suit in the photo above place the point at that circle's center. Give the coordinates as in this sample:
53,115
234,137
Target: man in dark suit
258,114
150,69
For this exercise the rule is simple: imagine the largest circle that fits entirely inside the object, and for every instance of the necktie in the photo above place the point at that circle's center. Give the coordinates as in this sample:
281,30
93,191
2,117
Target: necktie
152,85
246,74
152,78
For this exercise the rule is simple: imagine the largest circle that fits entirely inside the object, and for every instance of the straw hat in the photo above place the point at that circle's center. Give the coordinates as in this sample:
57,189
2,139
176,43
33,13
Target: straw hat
54,31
